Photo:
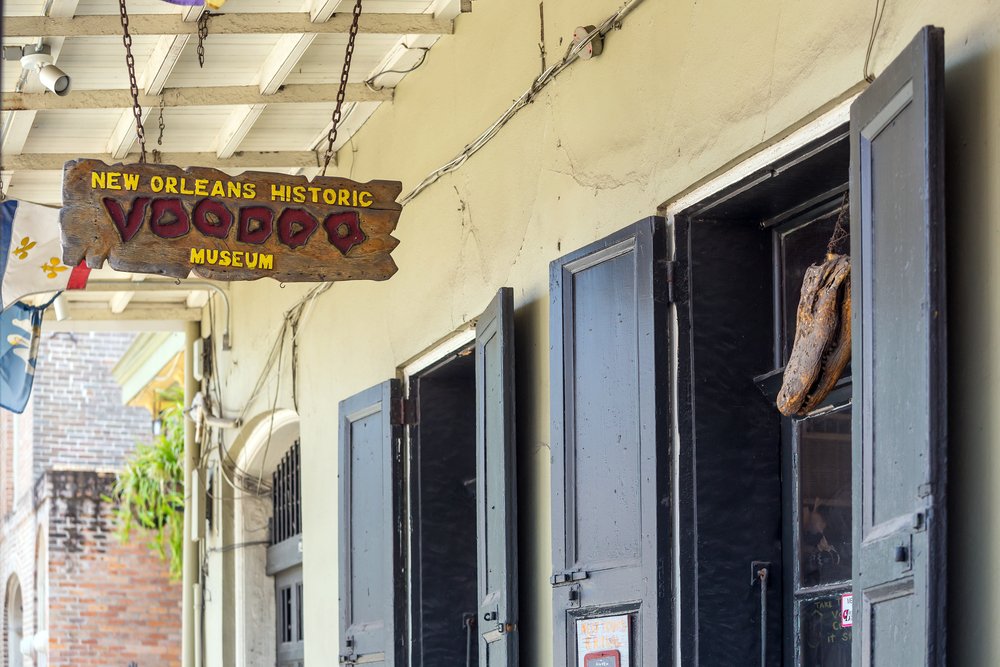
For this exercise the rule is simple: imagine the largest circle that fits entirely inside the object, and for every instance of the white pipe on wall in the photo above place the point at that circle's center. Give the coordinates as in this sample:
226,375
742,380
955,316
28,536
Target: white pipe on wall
189,626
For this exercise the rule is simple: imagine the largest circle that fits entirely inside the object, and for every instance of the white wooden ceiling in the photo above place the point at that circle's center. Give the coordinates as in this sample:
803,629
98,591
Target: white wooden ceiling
229,134
261,62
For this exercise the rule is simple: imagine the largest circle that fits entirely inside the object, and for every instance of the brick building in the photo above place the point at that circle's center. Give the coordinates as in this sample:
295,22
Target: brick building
72,593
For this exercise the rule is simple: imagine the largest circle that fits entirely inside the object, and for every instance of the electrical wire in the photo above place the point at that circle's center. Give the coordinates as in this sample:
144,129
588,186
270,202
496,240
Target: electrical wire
370,82
238,545
528,96
254,485
876,24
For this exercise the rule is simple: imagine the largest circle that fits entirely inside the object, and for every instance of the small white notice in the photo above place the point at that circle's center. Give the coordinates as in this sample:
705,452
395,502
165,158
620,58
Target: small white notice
604,642
846,610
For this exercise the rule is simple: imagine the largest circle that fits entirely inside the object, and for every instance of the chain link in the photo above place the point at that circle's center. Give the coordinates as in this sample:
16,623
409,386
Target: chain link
202,35
3,193
159,139
342,91
140,133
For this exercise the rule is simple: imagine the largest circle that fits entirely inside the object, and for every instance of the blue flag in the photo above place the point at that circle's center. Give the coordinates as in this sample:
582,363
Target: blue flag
20,331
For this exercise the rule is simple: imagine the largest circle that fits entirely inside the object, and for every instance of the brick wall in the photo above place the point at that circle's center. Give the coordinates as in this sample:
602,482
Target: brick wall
79,419
109,603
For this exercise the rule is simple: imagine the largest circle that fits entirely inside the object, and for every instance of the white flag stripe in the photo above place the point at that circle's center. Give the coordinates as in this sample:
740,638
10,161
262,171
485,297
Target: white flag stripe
34,259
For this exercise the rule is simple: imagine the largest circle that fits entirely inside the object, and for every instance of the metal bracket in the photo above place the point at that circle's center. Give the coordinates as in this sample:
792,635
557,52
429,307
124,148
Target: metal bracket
755,568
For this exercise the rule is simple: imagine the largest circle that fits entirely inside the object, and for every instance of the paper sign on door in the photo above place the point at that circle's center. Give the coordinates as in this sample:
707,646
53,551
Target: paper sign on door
603,642
846,610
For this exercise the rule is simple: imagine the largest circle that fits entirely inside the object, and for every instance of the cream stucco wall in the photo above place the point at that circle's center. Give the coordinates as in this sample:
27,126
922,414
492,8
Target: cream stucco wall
684,88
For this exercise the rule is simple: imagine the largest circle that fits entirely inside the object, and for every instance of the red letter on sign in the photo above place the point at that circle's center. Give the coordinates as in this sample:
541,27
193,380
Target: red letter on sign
170,218
247,232
344,230
288,234
127,226
223,219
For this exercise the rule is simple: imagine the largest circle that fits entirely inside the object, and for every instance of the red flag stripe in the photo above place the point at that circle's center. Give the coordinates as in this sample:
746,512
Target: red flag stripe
78,277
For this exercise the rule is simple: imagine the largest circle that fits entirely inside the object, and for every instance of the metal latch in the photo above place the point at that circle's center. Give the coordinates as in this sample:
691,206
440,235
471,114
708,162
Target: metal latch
568,577
349,645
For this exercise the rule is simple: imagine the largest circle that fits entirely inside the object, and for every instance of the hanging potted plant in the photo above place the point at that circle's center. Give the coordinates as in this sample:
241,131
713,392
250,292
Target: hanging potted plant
149,491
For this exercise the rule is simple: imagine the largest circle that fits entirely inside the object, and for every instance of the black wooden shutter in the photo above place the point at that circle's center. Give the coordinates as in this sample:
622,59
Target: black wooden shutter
371,584
496,492
610,440
900,430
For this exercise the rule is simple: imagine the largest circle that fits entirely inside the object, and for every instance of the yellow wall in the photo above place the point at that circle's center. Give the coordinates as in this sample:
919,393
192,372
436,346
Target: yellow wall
682,89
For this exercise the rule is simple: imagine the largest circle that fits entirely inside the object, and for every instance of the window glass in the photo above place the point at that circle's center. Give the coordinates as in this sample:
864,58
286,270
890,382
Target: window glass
824,641
825,499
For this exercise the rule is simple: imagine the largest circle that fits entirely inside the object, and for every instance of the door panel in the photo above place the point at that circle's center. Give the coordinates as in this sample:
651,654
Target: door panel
897,249
610,439
370,529
496,498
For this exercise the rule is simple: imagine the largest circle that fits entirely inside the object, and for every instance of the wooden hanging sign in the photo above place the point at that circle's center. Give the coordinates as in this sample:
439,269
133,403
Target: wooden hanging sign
161,219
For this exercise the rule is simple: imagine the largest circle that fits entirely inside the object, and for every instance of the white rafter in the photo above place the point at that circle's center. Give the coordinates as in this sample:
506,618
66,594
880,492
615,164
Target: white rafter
282,59
202,96
240,160
119,300
152,80
225,24
18,127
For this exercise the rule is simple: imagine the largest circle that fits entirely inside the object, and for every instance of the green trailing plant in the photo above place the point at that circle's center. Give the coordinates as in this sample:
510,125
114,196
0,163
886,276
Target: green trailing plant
149,491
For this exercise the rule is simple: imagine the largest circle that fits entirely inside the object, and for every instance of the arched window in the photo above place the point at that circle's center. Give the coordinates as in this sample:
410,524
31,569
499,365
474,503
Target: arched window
13,624
267,521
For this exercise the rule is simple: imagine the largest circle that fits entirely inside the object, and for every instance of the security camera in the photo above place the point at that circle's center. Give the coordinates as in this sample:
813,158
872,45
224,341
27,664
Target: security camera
54,79
39,58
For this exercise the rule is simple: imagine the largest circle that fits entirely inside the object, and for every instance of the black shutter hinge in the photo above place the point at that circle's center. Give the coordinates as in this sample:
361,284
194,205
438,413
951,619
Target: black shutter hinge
404,412
671,270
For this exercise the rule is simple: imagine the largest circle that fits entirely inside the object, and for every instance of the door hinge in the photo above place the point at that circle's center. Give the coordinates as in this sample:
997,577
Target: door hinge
404,412
568,577
671,270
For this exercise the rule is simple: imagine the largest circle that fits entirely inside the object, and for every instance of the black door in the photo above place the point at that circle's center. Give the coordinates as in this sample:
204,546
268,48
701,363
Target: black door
610,445
899,425
496,493
371,583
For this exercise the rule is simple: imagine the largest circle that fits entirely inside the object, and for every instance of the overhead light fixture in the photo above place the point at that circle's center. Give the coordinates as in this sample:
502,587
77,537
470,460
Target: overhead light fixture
38,58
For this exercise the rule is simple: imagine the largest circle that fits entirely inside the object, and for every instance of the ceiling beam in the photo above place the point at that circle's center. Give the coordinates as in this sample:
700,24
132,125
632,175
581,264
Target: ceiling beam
82,313
223,24
283,57
165,56
119,300
281,60
236,128
15,132
241,160
120,98
123,137
161,63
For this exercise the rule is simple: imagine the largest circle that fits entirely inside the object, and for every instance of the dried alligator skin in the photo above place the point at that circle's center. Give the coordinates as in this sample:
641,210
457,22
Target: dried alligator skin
822,347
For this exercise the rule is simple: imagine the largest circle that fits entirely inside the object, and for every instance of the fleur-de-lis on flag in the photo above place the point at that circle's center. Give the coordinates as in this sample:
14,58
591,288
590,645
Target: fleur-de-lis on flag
53,268
22,250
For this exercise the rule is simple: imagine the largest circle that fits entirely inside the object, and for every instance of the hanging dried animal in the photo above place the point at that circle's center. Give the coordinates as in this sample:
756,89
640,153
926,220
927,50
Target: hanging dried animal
822,347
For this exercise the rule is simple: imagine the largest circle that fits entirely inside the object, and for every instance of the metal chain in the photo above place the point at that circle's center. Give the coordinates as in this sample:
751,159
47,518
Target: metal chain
159,139
342,91
3,193
140,133
202,35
